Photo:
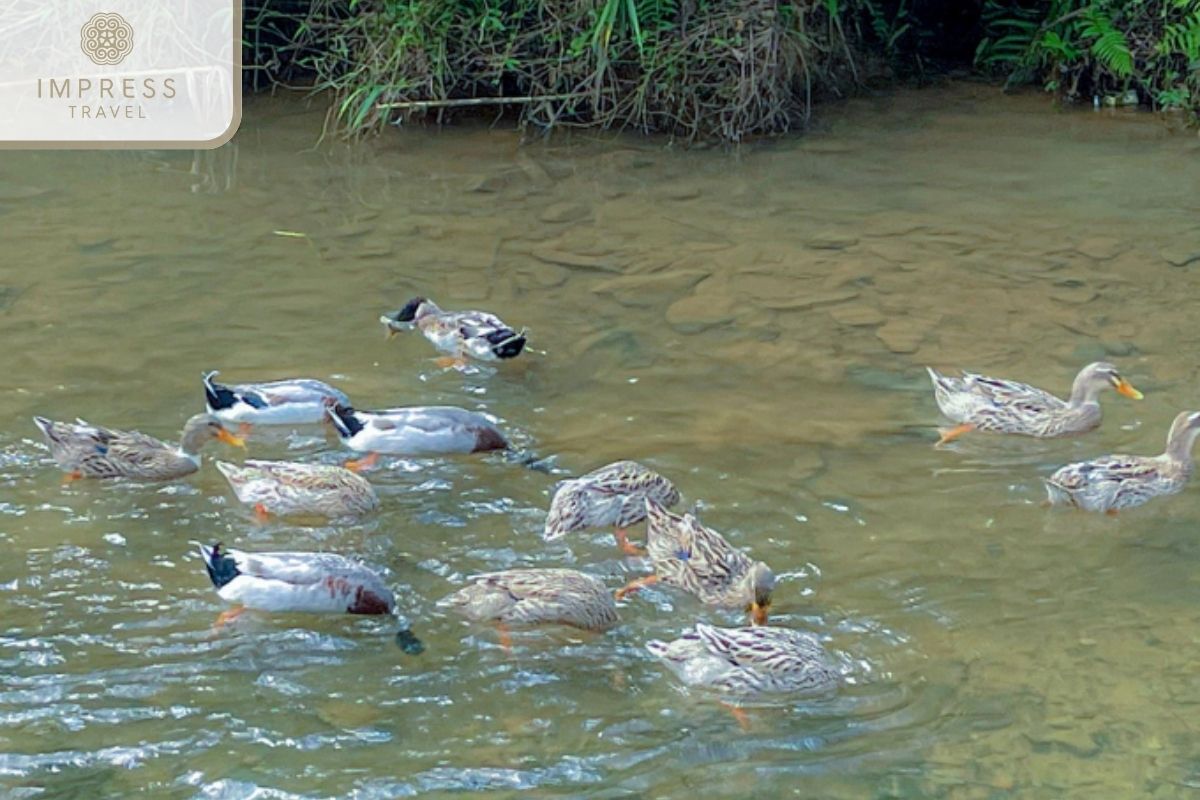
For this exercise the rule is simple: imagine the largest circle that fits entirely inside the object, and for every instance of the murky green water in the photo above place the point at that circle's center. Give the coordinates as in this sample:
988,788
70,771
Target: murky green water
754,326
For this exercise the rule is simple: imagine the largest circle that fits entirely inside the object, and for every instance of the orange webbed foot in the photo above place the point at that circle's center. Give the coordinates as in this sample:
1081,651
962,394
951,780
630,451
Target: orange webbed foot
452,362
950,434
627,547
739,714
225,617
363,464
633,586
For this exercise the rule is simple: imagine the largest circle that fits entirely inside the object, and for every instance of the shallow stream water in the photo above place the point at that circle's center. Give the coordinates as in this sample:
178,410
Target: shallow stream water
754,325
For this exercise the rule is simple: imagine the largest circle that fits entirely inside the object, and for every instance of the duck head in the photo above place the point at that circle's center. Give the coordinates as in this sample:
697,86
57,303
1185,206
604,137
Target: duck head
405,318
1096,377
758,584
1182,436
203,428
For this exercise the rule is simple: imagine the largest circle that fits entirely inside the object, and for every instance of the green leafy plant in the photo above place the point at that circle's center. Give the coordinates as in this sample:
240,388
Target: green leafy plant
1108,44
1098,48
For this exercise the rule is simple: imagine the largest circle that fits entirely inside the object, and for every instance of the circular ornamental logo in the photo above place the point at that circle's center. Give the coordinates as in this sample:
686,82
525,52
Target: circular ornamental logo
106,38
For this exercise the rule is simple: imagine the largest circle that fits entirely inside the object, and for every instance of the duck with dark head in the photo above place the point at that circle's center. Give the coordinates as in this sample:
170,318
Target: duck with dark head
462,334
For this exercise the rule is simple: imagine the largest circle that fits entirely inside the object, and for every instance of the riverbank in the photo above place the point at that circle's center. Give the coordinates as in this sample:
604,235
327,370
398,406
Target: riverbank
709,70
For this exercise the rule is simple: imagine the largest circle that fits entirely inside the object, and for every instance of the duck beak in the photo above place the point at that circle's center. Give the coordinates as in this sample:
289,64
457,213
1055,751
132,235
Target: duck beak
1126,389
228,438
389,328
758,613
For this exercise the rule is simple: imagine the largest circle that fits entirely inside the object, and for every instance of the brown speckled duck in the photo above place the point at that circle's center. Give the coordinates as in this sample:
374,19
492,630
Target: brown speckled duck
83,450
743,662
533,597
978,402
286,487
1116,482
700,561
612,496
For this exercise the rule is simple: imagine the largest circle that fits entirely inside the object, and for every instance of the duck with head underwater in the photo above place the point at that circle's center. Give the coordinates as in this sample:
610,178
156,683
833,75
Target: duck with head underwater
297,401
612,496
288,488
304,582
535,597
742,663
413,431
477,334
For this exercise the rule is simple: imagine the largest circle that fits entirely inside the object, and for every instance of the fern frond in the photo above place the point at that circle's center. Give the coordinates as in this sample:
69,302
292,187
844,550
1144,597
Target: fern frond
1110,47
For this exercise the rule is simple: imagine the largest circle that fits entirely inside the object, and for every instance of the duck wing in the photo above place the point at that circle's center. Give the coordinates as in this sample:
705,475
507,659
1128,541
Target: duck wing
479,324
300,390
132,454
1011,394
1114,481
295,567
760,647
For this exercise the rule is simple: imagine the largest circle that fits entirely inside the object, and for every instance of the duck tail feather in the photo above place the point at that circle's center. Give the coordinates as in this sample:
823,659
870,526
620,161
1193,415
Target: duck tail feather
221,567
217,396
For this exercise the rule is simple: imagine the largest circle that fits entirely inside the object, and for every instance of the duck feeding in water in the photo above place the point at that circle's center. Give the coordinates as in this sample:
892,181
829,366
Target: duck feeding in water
413,431
298,401
698,560
535,597
745,662
1116,482
320,583
613,496
84,450
286,488
978,402
477,334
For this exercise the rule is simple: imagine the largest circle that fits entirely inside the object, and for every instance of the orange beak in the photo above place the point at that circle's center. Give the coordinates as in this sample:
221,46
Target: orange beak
758,614
1126,389
228,438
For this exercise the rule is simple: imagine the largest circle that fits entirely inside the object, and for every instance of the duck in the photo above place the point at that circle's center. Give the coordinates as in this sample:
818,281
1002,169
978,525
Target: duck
321,583
416,430
534,597
698,560
1116,482
977,402
298,401
84,450
477,334
744,662
612,496
287,487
